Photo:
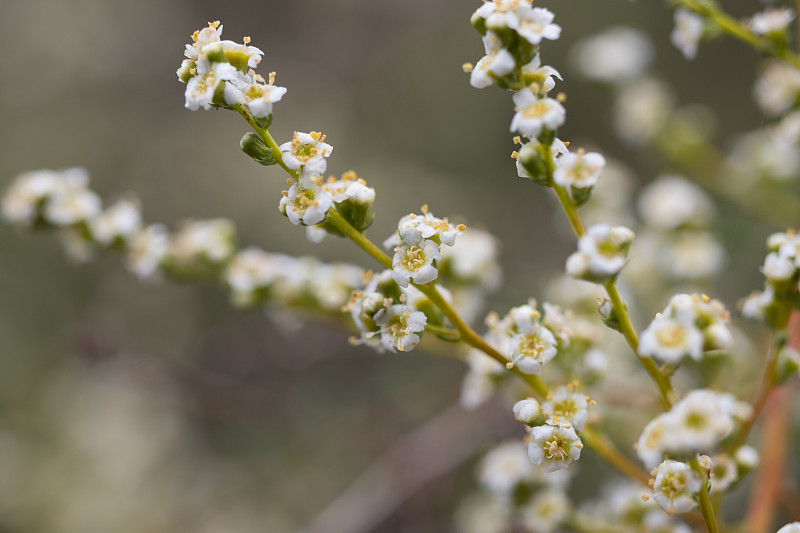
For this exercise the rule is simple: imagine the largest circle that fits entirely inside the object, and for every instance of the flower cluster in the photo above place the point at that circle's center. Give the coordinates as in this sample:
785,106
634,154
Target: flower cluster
782,272
698,423
219,73
417,246
198,250
690,326
388,316
602,252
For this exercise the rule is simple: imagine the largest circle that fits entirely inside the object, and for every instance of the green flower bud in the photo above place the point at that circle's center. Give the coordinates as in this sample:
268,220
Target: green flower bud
256,148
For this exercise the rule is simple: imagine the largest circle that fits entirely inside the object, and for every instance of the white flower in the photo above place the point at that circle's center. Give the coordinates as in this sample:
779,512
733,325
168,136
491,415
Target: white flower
578,169
146,250
399,327
535,24
251,90
527,411
305,202
307,151
670,340
672,201
546,510
754,306
699,422
212,240
616,55
541,75
415,263
120,221
777,88
642,109
71,204
531,348
412,229
202,38
250,270
675,486
724,472
242,56
687,32
650,446
495,64
201,88
693,255
771,20
746,457
567,406
24,198
777,268
794,527
554,446
602,252
505,467
533,114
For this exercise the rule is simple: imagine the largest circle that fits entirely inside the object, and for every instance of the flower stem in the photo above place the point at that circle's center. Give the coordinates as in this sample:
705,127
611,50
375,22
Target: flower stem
603,447
706,509
738,30
266,136
626,325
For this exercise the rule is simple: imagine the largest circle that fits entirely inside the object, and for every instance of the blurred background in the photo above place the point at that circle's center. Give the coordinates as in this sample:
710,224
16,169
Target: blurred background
135,407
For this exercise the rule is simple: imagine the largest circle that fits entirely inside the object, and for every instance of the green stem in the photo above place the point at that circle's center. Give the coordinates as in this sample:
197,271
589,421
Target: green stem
626,326
570,210
446,334
629,332
767,384
736,29
603,447
340,223
706,509
266,136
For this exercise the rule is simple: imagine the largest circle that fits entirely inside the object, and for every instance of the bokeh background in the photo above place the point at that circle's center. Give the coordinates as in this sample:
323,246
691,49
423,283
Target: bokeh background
133,407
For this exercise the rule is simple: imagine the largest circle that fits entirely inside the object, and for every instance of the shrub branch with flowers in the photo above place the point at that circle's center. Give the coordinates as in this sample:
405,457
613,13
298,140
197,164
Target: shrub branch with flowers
694,443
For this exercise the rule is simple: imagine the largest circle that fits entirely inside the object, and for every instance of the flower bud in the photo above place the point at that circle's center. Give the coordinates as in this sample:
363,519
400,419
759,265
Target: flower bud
256,148
528,411
788,364
608,313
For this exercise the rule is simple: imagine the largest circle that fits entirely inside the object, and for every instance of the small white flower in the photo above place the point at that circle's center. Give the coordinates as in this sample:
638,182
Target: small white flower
699,422
535,24
541,75
566,405
120,221
201,88
495,64
616,55
22,201
202,38
415,263
533,114
250,270
675,486
554,446
724,472
307,151
777,268
777,88
146,250
546,510
794,527
602,252
71,204
754,306
687,32
505,467
642,109
531,348
242,56
306,203
771,20
212,240
399,327
670,340
527,411
578,169
650,446
251,90
746,457
672,201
